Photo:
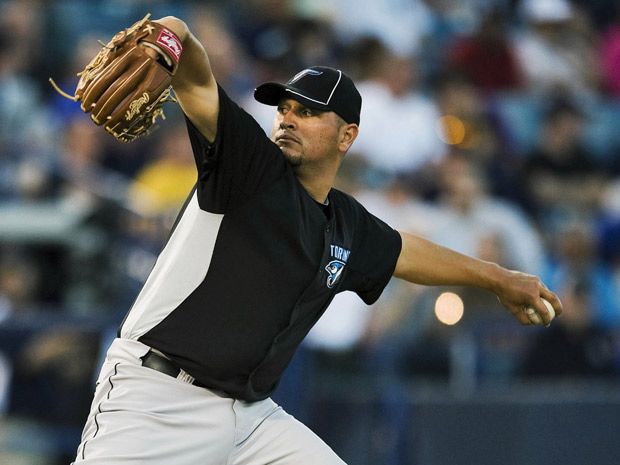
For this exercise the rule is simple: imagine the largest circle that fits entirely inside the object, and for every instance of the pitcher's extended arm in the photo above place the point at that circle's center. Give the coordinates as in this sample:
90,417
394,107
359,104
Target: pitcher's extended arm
424,262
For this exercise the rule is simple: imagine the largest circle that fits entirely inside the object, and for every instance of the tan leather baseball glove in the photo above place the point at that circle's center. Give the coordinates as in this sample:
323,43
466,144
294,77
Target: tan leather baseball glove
126,84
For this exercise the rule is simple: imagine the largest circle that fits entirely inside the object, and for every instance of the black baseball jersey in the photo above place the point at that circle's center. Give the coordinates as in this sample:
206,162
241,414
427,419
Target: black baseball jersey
252,263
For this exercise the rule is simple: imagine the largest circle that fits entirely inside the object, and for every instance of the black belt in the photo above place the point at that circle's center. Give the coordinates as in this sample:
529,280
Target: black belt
164,365
158,362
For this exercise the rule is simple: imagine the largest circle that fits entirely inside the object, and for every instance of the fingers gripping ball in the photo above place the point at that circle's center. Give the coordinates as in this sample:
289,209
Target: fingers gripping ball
126,84
533,315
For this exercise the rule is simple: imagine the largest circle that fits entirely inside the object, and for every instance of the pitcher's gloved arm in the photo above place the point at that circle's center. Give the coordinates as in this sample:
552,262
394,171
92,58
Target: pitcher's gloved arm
194,84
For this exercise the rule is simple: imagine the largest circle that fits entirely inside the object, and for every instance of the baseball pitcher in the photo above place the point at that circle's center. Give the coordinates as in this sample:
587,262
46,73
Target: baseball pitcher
258,251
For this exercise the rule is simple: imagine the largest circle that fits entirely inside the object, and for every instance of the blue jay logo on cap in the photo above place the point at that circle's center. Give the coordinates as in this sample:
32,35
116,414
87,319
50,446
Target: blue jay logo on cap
334,270
305,72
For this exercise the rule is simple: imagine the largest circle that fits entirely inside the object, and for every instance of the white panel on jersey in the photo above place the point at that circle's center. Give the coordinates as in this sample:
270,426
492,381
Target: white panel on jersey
178,271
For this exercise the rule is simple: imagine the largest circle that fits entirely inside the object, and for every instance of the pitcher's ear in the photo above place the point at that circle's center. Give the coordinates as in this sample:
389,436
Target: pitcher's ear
348,135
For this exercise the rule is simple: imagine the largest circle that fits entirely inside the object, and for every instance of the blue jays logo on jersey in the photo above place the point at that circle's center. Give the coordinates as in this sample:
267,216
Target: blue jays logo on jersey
335,267
334,270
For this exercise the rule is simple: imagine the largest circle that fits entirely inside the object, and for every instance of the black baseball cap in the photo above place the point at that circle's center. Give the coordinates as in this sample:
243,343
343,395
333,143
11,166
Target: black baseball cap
319,87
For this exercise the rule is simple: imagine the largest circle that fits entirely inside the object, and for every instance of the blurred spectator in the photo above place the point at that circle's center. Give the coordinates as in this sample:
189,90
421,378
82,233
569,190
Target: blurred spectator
470,125
401,123
477,126
577,269
53,377
163,184
22,22
409,21
601,12
563,180
82,178
482,225
487,57
402,209
268,30
19,283
77,163
556,48
227,57
89,196
576,345
448,20
22,119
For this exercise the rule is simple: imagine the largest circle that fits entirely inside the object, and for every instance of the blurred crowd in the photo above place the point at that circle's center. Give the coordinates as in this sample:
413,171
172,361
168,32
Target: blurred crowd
488,126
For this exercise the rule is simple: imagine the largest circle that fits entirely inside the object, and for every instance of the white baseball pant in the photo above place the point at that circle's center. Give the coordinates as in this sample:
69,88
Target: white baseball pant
140,415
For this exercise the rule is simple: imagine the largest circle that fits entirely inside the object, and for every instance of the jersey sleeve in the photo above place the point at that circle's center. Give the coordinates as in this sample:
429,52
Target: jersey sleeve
241,162
377,248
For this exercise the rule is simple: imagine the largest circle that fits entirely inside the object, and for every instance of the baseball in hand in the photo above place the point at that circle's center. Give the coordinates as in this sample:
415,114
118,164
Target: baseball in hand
535,317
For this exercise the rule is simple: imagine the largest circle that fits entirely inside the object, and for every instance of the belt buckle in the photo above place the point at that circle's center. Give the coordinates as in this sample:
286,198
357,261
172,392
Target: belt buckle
185,377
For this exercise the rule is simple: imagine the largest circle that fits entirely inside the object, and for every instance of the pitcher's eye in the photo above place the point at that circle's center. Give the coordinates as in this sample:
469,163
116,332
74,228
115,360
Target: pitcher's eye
309,112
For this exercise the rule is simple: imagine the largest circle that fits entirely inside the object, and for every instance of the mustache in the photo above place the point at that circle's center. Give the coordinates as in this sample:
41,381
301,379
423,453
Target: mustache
285,136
